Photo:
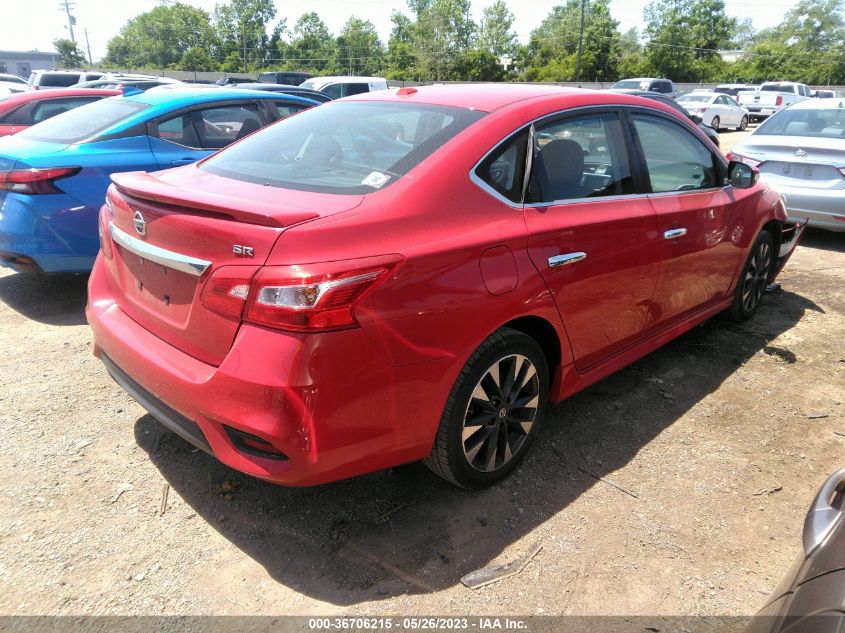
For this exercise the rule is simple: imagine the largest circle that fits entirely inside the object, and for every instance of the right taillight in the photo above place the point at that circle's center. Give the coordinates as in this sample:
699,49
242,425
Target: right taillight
299,298
744,159
779,100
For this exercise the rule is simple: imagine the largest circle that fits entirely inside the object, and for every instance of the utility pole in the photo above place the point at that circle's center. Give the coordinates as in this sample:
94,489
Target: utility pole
244,38
66,7
580,45
88,46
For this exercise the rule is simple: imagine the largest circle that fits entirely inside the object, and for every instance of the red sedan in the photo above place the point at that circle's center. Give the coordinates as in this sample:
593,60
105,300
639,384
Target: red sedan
413,274
20,110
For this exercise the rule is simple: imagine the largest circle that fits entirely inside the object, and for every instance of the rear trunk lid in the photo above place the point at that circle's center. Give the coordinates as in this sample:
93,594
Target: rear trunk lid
798,161
170,231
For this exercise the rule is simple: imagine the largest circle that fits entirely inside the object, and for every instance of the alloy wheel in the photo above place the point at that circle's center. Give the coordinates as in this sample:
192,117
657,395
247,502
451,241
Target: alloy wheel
754,284
501,413
715,123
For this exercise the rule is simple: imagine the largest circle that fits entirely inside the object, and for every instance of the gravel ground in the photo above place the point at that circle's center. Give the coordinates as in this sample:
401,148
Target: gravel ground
723,436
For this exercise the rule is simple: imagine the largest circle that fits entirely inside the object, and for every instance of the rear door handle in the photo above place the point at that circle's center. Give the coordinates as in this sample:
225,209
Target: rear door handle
568,258
673,234
182,161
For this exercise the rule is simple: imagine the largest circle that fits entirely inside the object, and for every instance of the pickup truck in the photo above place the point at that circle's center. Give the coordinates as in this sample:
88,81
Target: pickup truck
770,97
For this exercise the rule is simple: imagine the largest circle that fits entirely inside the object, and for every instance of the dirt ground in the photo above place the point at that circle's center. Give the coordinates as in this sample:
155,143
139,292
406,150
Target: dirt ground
724,435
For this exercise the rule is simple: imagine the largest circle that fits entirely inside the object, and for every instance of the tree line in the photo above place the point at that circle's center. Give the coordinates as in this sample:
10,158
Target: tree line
437,40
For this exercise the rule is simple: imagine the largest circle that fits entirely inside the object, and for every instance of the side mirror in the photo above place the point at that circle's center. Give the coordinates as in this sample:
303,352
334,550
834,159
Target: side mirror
742,176
696,119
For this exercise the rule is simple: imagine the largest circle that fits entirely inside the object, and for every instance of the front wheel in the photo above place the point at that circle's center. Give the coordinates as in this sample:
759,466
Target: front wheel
715,123
491,415
743,124
752,281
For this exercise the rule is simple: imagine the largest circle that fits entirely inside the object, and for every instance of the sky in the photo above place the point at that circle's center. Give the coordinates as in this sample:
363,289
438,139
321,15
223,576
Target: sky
34,24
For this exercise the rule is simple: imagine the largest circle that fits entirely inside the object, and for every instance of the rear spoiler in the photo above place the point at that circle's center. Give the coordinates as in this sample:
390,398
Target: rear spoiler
144,186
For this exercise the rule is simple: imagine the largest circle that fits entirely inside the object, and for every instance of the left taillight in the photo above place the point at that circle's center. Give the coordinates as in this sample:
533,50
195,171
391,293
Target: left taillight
106,216
298,298
35,181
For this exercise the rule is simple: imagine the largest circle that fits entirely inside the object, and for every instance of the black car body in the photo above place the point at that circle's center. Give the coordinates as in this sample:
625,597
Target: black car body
287,77
712,134
288,90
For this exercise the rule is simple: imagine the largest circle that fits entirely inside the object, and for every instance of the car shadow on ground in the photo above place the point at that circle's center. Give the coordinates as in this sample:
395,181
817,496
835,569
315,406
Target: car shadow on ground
825,240
52,298
406,531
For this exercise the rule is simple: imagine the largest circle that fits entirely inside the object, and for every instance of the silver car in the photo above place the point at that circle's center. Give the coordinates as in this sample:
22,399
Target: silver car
800,152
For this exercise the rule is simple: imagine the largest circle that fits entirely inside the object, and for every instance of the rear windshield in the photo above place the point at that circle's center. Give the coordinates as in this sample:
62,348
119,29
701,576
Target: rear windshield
694,98
58,80
631,84
815,123
778,88
84,122
344,148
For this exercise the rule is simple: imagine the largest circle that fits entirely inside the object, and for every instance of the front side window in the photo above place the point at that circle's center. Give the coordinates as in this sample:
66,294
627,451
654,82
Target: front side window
335,91
348,148
676,160
579,157
285,109
179,130
217,127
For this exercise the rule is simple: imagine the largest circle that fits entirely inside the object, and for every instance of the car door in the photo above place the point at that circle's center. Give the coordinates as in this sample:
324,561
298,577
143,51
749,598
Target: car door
186,136
734,107
699,218
594,242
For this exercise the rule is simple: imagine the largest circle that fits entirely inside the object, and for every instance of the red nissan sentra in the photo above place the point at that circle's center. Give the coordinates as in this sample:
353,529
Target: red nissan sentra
413,274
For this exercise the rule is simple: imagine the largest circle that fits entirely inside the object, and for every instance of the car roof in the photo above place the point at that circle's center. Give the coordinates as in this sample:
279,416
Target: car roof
491,97
188,96
57,93
348,78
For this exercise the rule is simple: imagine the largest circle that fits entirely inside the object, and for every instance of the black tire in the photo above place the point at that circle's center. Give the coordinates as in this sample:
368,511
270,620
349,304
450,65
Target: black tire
715,123
751,286
505,431
743,124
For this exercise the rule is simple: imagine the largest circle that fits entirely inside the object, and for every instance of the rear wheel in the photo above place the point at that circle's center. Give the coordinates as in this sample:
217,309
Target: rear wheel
715,123
491,415
752,282
743,124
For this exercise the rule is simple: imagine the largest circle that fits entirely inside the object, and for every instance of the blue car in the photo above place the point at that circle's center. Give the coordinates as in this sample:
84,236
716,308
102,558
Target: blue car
54,176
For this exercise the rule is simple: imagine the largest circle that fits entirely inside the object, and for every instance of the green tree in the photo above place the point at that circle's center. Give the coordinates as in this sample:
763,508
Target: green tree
160,37
808,46
442,35
358,49
197,59
69,54
495,33
233,63
552,49
242,25
401,56
684,37
312,47
632,62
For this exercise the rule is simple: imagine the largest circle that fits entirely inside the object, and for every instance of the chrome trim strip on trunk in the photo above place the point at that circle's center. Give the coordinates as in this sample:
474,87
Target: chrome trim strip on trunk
169,259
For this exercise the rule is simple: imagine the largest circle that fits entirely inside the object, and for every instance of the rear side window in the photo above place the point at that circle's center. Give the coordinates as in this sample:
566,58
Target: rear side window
179,130
579,157
44,110
345,148
675,159
504,169
85,122
355,89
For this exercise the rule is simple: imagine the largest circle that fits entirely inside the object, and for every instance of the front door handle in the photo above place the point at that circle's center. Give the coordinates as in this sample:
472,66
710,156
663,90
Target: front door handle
568,258
673,234
182,161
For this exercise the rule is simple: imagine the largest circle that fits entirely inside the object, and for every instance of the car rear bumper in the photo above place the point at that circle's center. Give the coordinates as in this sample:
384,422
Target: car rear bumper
825,208
54,232
329,403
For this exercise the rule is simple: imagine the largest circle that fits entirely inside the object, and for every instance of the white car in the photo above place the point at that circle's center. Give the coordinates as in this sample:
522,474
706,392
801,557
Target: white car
343,86
716,110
